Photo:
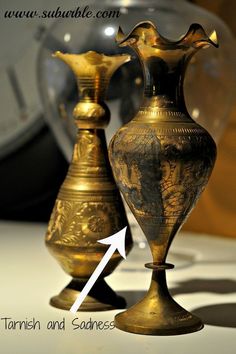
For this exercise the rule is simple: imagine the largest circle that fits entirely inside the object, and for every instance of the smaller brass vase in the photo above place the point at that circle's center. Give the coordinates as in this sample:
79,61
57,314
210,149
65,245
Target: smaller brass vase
88,206
161,161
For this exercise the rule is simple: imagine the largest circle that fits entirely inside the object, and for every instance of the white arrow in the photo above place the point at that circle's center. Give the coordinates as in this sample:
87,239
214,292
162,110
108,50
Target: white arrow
116,242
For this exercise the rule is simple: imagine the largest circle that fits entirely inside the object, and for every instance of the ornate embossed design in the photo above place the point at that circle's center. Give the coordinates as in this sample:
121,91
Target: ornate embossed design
89,148
155,178
81,224
63,225
96,224
166,114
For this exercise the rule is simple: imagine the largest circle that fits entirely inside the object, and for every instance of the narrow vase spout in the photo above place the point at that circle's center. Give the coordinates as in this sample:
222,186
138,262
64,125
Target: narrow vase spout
93,67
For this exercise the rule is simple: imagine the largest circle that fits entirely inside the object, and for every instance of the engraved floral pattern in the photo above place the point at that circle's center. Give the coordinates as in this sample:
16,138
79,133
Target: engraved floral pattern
96,224
63,223
170,174
82,224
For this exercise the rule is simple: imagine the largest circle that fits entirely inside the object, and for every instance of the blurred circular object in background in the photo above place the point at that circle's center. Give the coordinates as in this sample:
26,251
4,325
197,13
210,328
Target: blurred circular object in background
209,84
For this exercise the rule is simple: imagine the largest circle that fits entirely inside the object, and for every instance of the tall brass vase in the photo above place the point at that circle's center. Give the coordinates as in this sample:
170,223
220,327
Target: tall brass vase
161,162
88,206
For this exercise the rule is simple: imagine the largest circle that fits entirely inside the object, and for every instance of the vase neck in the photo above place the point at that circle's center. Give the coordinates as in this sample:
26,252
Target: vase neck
92,89
164,82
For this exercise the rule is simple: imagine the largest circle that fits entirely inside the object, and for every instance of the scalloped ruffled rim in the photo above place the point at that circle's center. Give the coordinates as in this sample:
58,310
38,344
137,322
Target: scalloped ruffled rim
60,55
195,37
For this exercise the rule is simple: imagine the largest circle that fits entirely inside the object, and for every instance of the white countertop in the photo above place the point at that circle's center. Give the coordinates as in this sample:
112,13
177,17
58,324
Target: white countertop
204,281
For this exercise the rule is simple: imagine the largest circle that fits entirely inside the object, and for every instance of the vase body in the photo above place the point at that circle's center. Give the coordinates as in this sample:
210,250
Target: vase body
88,207
161,161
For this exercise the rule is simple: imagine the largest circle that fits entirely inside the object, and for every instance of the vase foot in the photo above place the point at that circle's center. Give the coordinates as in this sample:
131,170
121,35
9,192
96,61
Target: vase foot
178,321
158,313
101,297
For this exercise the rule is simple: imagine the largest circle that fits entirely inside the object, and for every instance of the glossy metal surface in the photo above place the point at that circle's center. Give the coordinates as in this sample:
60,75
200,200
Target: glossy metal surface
88,206
161,161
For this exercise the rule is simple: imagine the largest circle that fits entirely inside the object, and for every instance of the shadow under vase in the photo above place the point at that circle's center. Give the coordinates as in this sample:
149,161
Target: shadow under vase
100,298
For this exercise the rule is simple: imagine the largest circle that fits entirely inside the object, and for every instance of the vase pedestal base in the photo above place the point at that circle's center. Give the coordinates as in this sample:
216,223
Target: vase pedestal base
100,298
157,313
